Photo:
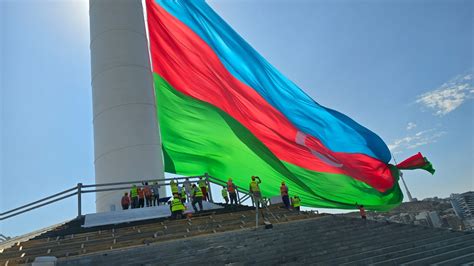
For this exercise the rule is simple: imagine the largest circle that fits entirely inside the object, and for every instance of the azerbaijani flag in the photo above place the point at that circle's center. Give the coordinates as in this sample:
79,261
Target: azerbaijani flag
224,110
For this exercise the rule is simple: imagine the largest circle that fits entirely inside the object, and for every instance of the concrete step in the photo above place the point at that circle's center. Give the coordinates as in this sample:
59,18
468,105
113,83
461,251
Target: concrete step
40,247
299,238
456,257
286,243
348,242
462,260
236,222
428,236
428,250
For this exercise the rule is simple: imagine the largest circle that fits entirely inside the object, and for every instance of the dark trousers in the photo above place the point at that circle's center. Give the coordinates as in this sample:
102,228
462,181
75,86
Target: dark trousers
226,200
124,207
148,201
204,193
286,201
141,202
199,201
233,198
177,214
155,200
135,202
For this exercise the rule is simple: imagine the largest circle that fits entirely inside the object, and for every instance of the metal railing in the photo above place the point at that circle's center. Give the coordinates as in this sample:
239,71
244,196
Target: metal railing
80,189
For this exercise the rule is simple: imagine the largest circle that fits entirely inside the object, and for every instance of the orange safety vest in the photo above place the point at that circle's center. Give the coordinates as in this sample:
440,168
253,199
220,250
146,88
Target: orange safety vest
362,211
141,193
125,200
230,187
284,190
147,191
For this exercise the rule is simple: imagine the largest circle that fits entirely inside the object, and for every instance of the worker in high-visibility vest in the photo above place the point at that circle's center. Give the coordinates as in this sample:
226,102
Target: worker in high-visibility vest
197,197
134,196
183,195
232,189
177,207
174,187
254,189
203,186
284,194
296,202
224,194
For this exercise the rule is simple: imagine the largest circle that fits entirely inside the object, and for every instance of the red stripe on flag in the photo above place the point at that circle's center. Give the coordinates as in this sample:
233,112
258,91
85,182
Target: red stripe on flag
414,161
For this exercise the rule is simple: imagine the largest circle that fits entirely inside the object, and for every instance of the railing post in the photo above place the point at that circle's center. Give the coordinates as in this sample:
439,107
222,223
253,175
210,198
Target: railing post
79,199
256,216
208,187
238,197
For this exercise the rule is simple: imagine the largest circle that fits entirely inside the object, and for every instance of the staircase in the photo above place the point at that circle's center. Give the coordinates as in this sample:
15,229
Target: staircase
228,236
71,239
320,240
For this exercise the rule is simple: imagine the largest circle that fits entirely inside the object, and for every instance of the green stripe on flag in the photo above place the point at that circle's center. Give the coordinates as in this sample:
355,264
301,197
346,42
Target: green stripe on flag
199,138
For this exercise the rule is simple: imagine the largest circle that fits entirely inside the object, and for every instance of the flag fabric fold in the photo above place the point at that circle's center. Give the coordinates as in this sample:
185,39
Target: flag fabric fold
224,110
416,161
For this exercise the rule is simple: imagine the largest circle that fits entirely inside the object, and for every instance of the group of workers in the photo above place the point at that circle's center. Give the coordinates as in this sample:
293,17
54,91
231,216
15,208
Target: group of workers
148,195
295,200
198,194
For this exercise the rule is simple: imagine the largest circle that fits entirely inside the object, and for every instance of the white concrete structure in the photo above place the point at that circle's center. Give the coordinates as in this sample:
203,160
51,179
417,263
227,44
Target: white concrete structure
126,136
131,215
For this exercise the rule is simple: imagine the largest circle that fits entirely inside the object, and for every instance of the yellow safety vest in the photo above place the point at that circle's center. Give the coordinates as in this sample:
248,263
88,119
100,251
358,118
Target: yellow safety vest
174,187
296,202
202,183
134,192
254,186
224,192
183,192
176,205
198,192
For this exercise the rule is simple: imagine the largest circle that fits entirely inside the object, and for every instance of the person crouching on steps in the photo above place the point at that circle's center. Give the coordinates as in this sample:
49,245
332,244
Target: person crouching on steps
177,207
296,202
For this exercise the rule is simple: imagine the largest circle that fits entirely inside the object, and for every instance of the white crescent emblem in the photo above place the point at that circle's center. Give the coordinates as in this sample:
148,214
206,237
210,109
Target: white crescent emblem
326,158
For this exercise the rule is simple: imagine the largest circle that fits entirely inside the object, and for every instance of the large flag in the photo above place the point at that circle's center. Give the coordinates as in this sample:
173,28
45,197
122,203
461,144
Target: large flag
224,110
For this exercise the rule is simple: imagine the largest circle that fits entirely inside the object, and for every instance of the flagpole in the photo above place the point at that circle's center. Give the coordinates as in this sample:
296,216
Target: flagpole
127,144
410,198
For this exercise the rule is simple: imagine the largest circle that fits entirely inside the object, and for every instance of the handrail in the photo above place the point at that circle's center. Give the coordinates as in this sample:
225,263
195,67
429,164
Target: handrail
43,199
80,189
139,181
41,205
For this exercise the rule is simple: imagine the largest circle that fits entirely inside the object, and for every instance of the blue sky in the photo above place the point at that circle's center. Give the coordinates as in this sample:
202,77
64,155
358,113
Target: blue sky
403,69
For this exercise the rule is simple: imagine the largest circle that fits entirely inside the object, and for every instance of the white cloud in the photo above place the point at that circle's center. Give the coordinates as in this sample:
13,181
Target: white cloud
416,140
411,125
450,95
